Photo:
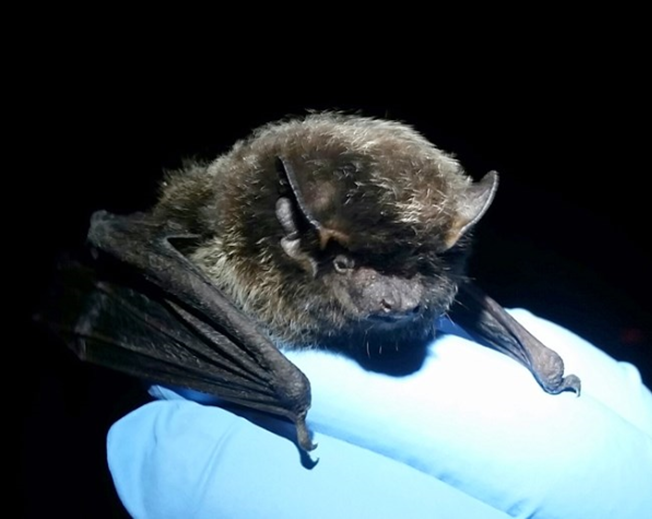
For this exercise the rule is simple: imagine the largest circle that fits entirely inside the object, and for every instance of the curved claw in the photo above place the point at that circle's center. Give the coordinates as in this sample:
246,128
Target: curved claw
304,437
568,383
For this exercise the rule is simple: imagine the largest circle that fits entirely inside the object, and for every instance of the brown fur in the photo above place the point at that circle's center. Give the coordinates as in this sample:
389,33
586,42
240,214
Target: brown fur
393,194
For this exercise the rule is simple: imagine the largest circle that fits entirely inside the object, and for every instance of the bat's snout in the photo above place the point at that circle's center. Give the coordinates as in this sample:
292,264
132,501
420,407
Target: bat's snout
390,299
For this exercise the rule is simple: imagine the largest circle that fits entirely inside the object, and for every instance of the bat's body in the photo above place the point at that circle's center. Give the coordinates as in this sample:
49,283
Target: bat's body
329,231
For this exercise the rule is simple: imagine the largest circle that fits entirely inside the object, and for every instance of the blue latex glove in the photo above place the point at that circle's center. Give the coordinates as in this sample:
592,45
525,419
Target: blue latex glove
469,435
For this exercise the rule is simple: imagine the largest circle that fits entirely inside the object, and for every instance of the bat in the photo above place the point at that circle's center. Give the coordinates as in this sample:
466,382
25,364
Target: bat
324,231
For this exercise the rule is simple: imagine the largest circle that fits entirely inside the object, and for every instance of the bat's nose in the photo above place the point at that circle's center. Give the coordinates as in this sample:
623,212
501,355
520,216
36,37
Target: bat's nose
388,298
397,309
398,305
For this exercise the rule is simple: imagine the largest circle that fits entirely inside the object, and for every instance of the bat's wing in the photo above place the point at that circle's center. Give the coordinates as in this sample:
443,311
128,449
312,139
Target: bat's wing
488,322
159,317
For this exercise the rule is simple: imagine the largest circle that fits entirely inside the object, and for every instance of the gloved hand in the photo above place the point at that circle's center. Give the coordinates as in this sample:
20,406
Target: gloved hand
471,434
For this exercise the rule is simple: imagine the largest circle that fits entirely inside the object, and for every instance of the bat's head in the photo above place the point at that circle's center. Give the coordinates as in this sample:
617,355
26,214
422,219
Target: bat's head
341,231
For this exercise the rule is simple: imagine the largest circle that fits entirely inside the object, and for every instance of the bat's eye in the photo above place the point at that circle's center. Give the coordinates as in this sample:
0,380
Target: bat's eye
343,264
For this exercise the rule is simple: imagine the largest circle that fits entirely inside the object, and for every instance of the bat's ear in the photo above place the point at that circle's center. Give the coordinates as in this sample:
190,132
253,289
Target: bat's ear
474,205
303,232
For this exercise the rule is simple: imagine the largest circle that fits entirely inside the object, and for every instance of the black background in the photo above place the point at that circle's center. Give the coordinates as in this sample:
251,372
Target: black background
567,237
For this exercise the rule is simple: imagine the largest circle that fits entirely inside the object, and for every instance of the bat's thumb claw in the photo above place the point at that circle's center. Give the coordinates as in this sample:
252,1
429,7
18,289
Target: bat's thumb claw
304,436
572,383
569,383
